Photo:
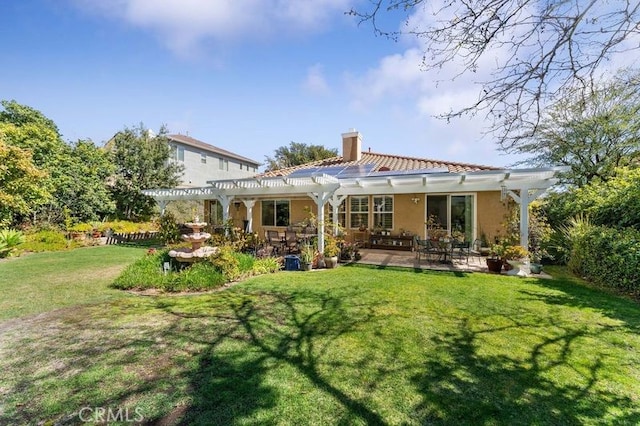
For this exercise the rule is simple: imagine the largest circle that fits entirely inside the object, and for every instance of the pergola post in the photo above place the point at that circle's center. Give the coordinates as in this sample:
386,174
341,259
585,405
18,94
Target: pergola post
249,205
162,205
335,202
524,199
320,198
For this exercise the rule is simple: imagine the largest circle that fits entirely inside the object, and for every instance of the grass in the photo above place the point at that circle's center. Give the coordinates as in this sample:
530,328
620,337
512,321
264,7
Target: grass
40,282
352,345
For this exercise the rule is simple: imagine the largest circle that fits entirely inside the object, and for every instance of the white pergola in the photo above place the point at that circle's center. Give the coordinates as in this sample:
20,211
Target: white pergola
523,185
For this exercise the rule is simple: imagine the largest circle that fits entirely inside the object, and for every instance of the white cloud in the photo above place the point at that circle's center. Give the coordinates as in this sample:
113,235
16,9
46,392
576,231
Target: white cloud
315,81
184,24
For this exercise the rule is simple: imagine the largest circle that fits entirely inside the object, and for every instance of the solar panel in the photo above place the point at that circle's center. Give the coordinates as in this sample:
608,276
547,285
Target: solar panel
410,172
361,170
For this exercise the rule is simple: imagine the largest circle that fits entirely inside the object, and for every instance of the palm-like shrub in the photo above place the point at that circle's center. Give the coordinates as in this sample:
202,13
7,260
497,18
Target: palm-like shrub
10,239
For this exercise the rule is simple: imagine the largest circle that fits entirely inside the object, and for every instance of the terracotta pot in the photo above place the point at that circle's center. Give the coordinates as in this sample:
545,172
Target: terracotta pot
494,265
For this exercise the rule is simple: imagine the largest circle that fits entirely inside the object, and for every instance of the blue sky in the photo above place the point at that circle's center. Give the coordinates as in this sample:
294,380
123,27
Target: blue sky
245,75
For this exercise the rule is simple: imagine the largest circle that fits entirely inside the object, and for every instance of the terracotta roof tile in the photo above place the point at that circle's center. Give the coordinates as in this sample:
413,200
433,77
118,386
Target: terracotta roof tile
392,162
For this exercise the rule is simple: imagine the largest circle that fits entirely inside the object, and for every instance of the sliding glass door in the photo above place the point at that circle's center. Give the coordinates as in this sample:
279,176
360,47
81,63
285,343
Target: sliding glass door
455,213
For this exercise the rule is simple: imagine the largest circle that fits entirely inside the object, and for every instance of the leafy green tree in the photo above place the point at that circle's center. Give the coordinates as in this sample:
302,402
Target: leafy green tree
593,131
296,154
20,189
142,162
614,203
75,174
82,188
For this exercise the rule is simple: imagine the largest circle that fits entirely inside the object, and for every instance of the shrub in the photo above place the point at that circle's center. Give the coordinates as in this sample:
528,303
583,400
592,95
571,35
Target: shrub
608,257
144,273
226,262
10,239
169,231
267,265
245,263
47,240
197,277
81,227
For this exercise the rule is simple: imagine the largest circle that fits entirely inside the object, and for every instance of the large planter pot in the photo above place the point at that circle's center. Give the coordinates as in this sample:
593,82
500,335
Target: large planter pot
331,262
306,266
494,265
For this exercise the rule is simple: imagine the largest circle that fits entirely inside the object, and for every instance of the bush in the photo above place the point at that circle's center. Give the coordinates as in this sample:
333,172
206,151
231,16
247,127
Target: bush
10,239
169,231
144,273
608,257
47,240
226,262
197,277
227,266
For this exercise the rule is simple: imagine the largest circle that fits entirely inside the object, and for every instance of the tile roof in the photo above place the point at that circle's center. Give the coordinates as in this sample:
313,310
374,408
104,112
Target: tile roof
195,143
385,162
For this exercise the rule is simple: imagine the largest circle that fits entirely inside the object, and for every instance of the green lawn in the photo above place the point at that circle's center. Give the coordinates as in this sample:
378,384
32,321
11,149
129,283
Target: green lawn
352,345
40,282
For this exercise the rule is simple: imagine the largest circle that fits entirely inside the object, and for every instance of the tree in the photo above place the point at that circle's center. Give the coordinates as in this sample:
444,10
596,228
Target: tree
75,174
296,154
538,47
20,190
82,189
142,162
593,131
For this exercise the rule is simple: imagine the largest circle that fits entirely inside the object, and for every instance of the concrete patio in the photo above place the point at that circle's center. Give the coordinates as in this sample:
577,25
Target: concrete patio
408,259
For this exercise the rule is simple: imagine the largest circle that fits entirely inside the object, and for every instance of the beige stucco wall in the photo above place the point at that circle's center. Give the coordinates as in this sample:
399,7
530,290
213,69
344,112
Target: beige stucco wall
491,214
408,216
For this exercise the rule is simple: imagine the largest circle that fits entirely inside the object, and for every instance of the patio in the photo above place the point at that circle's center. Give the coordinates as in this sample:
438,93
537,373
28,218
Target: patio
408,259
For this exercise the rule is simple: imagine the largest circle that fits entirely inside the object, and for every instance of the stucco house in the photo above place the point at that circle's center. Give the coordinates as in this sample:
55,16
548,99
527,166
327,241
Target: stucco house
365,189
204,162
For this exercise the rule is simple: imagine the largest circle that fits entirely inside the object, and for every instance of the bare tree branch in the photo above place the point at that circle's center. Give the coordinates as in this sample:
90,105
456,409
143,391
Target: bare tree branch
541,47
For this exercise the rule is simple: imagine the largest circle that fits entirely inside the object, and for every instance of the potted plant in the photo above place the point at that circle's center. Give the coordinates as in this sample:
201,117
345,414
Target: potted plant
306,257
331,252
513,256
79,230
494,259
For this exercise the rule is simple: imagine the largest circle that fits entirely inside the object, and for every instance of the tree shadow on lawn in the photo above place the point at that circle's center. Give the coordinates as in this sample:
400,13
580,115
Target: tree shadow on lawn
567,292
293,329
183,360
464,384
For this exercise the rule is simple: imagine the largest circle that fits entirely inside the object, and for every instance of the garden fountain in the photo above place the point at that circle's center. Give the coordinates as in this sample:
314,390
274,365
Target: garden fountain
197,239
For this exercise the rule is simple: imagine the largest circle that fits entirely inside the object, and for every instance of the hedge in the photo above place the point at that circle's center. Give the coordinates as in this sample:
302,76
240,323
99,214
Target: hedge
608,257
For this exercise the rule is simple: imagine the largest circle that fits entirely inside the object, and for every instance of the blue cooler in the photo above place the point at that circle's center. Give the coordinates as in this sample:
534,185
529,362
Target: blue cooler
291,263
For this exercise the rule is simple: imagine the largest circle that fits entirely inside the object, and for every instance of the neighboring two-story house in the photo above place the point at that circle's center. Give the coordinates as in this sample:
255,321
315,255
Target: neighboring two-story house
203,162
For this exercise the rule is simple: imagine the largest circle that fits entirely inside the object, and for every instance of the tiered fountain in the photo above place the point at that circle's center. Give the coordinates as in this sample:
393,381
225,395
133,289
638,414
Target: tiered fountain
196,238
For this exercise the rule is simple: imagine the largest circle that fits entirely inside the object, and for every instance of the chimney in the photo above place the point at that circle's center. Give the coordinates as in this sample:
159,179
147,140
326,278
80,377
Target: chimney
351,145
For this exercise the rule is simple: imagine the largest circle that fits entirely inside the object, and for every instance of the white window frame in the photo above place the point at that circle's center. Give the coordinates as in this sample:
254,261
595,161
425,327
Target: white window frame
359,211
379,209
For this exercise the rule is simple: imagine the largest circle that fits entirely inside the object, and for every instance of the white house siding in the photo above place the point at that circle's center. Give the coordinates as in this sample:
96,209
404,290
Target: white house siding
196,173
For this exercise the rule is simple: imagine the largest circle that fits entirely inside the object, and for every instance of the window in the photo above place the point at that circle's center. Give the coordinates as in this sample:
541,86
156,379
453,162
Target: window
359,211
223,164
177,153
215,213
275,213
203,157
455,213
383,211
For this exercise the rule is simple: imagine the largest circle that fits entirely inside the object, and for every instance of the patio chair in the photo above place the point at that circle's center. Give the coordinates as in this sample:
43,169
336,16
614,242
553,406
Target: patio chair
426,248
461,249
273,242
291,242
